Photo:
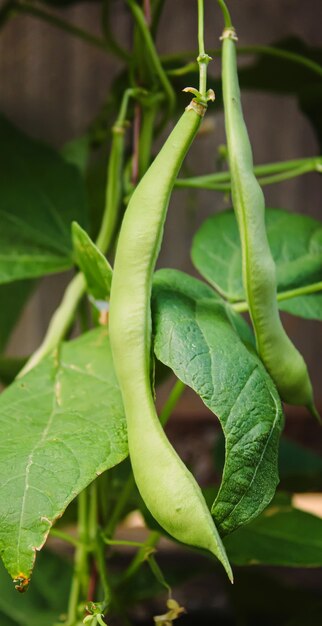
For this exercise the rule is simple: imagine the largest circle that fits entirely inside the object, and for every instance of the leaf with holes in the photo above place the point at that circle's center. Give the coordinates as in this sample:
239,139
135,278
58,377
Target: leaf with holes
61,425
41,194
195,338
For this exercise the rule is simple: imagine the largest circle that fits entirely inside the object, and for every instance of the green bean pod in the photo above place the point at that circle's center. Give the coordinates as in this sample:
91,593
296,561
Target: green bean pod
167,487
280,357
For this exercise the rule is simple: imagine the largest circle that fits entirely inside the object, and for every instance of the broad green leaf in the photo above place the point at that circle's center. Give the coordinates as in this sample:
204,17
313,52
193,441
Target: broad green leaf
295,241
309,307
61,425
46,599
194,336
282,535
299,468
93,264
13,296
41,194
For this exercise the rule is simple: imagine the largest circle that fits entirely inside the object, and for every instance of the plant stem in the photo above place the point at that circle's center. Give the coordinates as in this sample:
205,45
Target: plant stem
102,570
81,552
242,307
80,576
114,177
149,113
141,555
120,542
300,291
158,6
73,601
120,506
153,55
135,143
272,172
111,43
280,53
203,58
226,13
29,9
185,69
312,163
201,20
172,401
92,512
55,532
59,323
158,574
293,57
64,314
288,175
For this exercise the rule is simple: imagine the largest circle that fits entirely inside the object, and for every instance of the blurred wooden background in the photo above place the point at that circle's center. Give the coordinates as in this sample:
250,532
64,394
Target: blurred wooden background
53,84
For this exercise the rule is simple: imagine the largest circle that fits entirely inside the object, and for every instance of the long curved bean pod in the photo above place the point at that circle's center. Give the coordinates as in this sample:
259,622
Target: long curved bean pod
167,487
282,360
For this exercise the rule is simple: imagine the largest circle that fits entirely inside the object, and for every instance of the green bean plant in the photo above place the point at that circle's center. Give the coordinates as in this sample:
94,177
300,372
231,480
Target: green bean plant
83,445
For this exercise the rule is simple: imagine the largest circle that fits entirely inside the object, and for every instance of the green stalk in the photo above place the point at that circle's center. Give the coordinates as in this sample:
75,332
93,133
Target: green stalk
121,542
64,314
120,506
111,43
149,113
306,168
202,96
279,53
153,55
242,307
172,401
293,57
267,174
226,14
79,584
141,555
149,110
185,69
300,291
114,176
157,9
60,534
59,323
203,58
102,570
158,574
